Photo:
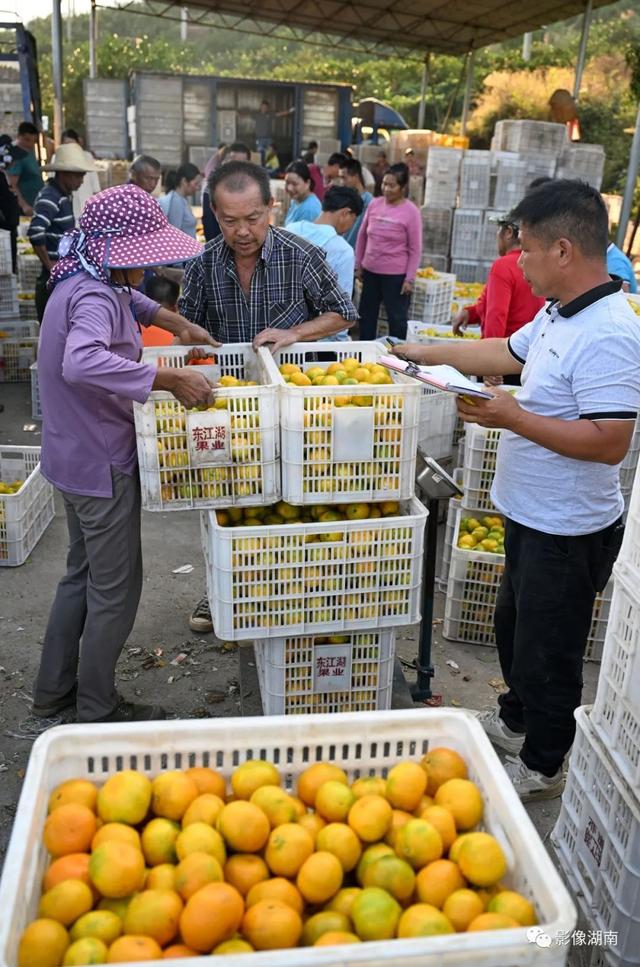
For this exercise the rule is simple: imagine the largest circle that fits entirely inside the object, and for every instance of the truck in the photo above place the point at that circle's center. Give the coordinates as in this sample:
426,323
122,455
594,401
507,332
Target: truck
183,117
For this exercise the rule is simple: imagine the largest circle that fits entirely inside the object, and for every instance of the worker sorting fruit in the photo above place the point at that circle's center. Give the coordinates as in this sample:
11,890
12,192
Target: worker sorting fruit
564,435
89,374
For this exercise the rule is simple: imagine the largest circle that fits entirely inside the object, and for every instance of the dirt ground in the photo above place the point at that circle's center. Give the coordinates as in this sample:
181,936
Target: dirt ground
196,677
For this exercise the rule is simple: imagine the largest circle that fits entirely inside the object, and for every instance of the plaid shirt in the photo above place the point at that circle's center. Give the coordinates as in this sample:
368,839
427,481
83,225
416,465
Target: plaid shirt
291,284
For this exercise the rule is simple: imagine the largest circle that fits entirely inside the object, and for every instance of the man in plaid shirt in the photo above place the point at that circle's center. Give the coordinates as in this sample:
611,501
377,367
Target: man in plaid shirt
258,284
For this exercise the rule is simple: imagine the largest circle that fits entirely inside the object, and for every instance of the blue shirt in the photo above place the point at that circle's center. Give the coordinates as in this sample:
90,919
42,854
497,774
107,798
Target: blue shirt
340,256
304,211
178,212
581,361
618,264
352,234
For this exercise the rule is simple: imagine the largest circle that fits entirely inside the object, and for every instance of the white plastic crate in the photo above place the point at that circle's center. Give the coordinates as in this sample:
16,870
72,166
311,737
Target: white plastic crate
438,413
629,465
599,621
539,164
616,710
36,410
442,175
335,452
320,578
8,296
584,161
27,306
25,515
344,673
6,265
225,457
362,744
427,335
466,270
597,839
18,329
512,135
479,465
488,249
436,229
511,183
467,233
29,268
432,260
475,179
453,506
431,298
16,358
472,588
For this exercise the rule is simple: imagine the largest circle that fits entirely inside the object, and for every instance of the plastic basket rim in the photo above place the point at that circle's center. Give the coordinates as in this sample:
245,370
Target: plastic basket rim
28,480
300,730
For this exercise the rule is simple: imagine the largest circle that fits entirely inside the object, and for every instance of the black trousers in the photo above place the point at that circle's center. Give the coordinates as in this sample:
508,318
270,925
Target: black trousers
542,621
42,293
377,288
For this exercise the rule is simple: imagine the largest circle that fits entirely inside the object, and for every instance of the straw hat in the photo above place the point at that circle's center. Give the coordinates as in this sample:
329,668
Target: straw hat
71,157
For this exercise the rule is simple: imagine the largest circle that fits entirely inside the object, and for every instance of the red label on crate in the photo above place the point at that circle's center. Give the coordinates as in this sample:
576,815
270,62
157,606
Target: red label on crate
331,668
209,437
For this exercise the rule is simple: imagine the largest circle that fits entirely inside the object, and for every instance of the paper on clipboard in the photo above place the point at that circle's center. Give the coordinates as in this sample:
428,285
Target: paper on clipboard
446,378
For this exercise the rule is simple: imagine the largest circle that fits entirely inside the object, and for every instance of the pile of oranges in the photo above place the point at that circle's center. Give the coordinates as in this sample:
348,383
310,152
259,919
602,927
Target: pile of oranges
181,866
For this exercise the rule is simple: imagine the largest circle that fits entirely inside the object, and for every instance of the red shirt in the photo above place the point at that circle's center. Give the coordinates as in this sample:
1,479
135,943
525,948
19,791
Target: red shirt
507,302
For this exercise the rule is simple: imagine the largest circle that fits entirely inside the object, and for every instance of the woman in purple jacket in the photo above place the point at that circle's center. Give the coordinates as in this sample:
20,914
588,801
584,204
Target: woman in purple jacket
89,372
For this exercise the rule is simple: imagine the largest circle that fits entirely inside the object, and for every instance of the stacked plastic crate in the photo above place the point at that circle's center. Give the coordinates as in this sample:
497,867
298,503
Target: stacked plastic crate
473,574
28,271
8,284
597,835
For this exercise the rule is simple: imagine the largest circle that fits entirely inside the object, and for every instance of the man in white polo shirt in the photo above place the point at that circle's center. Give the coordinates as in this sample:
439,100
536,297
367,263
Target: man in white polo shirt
557,474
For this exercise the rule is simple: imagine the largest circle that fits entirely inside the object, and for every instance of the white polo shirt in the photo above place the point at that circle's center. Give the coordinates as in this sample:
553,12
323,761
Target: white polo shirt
581,362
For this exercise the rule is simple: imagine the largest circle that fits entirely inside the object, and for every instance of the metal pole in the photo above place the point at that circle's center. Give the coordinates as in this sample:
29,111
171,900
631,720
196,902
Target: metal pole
466,104
582,50
632,177
184,24
527,41
56,56
93,40
423,92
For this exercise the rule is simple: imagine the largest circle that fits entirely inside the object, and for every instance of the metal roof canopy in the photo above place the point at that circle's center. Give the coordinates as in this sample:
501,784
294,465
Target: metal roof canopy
372,26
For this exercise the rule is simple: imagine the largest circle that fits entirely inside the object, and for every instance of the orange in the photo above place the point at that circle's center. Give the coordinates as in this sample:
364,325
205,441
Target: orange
370,818
487,893
375,914
406,784
319,877
277,805
102,924
310,780
172,794
119,832
443,821
514,905
154,913
438,880
340,839
89,950
201,838
321,923
244,826
456,846
272,925
73,866
369,786
204,809
423,920
288,847
74,790
335,937
195,871
211,915
66,901
422,805
69,829
276,889
251,775
124,798
482,860
334,800
440,765
392,874
463,800
159,841
177,950
161,877
419,843
301,809
116,869
128,948
117,905
42,944
493,921
234,946
244,870
312,823
208,781
398,818
462,907
369,856
343,900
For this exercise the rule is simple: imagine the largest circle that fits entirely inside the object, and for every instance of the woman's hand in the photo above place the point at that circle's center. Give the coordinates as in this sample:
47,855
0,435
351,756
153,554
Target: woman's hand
407,288
193,335
460,322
